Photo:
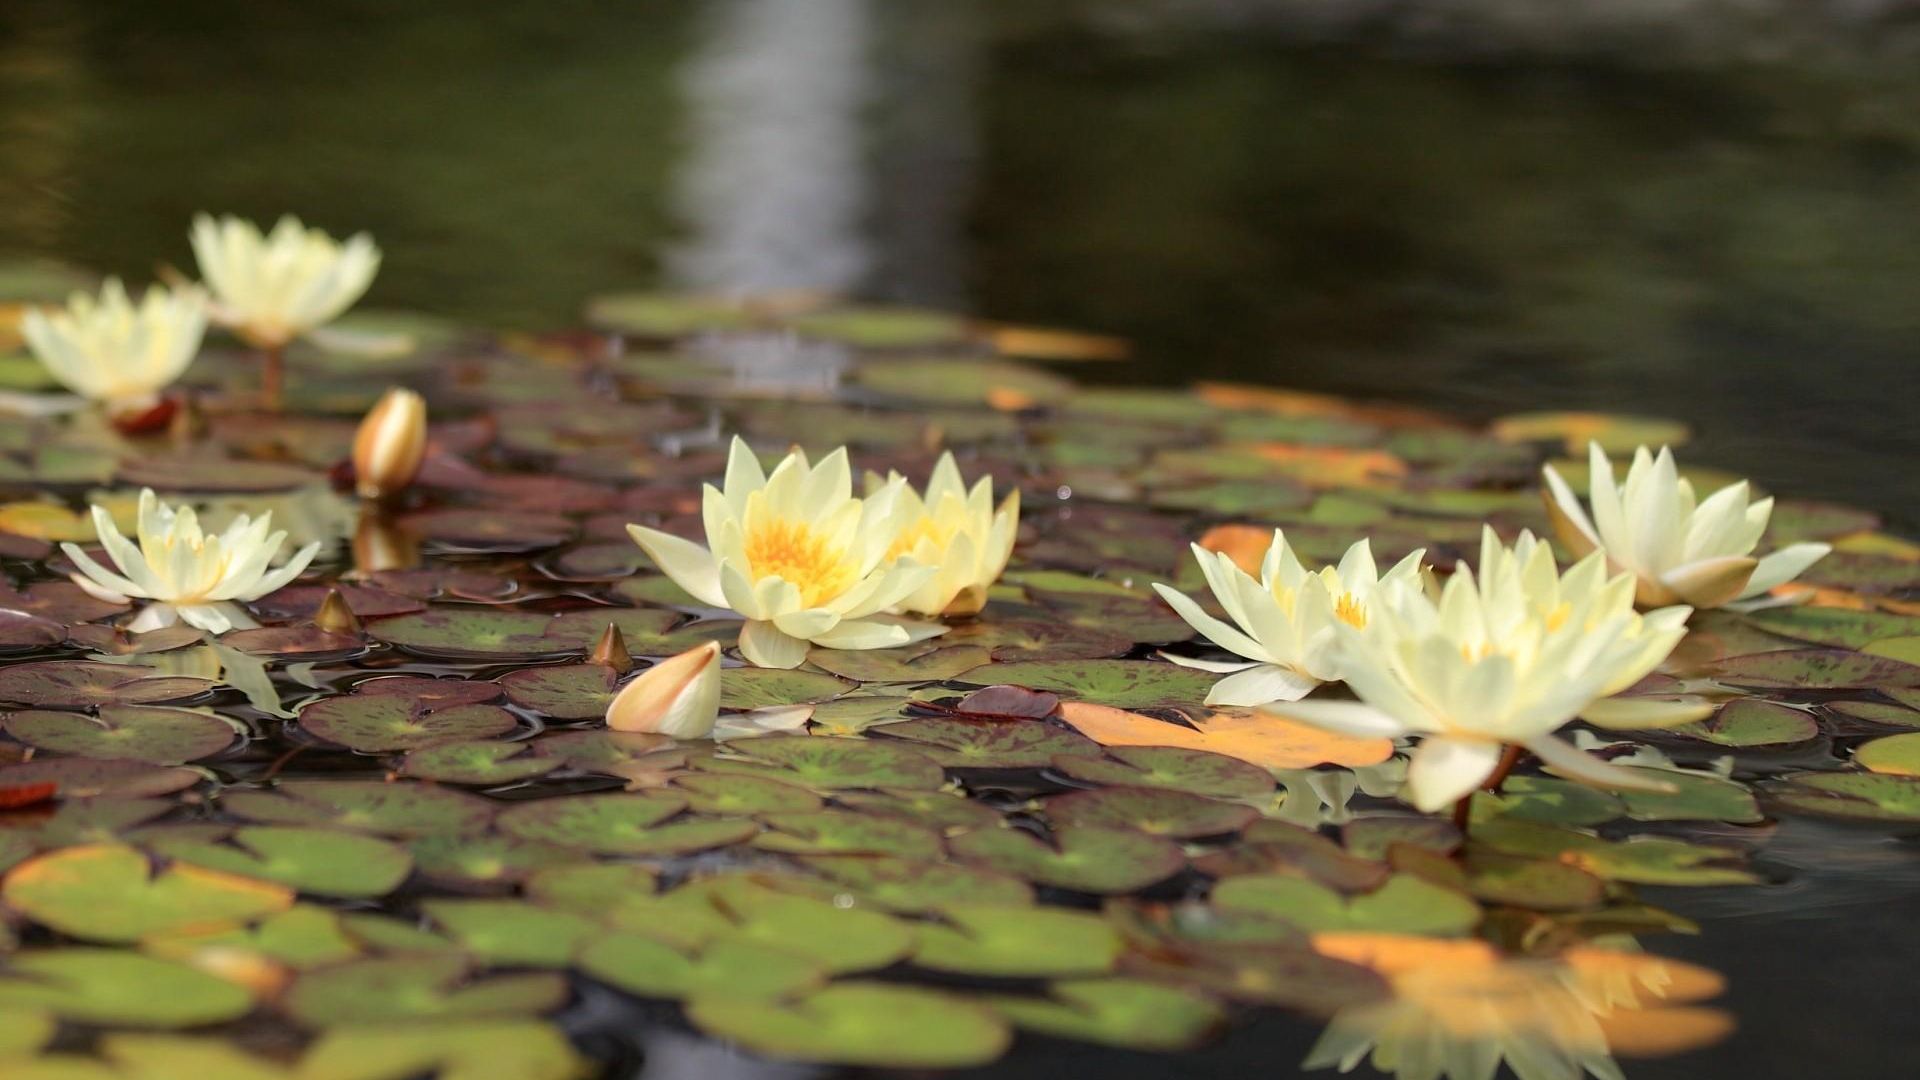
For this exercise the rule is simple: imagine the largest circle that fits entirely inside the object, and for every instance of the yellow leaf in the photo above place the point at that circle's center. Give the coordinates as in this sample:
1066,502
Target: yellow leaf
1270,742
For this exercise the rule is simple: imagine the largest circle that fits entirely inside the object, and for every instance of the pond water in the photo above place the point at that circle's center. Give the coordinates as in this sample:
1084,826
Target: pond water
1480,218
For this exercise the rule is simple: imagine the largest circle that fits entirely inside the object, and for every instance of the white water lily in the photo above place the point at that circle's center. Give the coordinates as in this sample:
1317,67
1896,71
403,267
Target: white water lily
1678,549
955,529
110,351
1499,659
679,696
1283,623
194,577
273,288
798,556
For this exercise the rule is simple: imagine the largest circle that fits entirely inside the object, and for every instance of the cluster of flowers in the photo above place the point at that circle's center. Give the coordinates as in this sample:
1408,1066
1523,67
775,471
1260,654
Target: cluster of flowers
267,288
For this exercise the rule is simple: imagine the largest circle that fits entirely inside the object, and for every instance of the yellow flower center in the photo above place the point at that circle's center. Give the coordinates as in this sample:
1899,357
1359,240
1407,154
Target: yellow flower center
1557,618
1351,611
794,551
925,527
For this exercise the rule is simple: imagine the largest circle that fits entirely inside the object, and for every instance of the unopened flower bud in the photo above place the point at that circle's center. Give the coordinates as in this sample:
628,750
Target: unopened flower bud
391,443
679,696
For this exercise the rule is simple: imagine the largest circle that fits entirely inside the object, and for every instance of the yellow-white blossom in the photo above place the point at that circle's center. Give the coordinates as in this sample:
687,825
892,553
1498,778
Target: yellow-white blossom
390,444
194,577
110,351
1283,623
271,289
1679,550
798,556
1497,659
956,529
679,696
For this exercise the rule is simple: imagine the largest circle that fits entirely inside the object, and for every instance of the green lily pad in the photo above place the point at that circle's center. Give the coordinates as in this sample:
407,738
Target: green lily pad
610,752
604,824
482,762
1133,1014
303,936
839,940
321,862
1848,796
946,810
740,970
456,1050
131,732
99,820
1644,860
1035,640
1123,684
398,809
853,1023
1083,858
472,632
1876,712
1404,905
463,859
119,987
667,315
1840,627
1700,797
431,694
76,684
852,715
926,662
914,886
1017,942
877,327
1195,771
829,763
110,892
566,692
1157,811
1546,798
1279,847
720,794
1370,837
759,688
390,989
1894,755
512,932
590,888
957,742
1749,722
22,1031
1814,669
827,832
386,722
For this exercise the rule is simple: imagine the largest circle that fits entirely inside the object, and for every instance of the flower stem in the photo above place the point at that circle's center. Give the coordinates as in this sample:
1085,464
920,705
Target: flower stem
273,376
1508,760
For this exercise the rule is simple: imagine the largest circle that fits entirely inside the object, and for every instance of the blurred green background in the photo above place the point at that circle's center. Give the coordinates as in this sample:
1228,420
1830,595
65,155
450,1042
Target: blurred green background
1692,209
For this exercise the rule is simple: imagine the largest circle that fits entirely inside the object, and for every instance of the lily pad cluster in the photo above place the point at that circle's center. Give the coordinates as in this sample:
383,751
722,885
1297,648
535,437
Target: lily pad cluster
388,832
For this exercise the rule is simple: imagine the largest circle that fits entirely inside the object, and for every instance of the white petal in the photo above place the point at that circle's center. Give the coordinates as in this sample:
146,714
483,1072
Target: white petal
1783,566
1260,685
1566,759
1344,717
1444,770
689,565
1641,713
764,645
864,634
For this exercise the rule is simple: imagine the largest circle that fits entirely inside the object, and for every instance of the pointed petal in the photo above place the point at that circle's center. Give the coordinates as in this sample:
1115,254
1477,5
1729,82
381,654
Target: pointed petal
1783,566
1444,770
1342,717
691,566
1641,713
1261,685
1564,758
864,634
1710,583
764,645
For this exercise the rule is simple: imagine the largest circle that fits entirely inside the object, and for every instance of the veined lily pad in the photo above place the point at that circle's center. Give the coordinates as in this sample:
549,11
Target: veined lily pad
1748,722
914,886
512,932
73,684
1839,627
472,632
1134,1014
1647,860
118,986
606,824
852,715
385,722
992,744
830,763
840,940
824,832
1195,771
1849,796
86,778
566,692
479,762
109,892
1124,684
758,688
1405,904
611,752
400,809
431,694
853,1023
1032,640
1546,798
1020,942
382,991
463,859
946,810
743,970
322,862
1813,669
718,793
1082,857
1157,811
926,662
132,732
590,888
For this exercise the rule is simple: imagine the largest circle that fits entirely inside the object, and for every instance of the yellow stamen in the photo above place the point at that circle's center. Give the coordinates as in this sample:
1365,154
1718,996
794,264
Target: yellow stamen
794,551
924,528
1351,611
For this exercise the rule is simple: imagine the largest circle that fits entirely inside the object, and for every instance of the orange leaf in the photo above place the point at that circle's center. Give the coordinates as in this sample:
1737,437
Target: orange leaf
1270,742
1331,466
1246,545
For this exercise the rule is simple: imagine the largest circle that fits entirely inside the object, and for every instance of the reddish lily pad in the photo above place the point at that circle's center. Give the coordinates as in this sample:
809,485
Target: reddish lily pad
431,694
1195,771
565,692
816,762
830,832
74,684
1083,858
86,778
378,723
1155,811
913,886
129,732
397,809
1123,684
958,743
1816,669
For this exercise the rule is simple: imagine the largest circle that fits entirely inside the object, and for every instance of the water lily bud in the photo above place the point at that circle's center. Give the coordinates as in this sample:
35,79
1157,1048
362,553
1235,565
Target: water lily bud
391,443
679,696
380,543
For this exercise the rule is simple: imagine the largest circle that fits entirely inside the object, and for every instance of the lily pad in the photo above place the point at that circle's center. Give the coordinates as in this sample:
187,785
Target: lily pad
76,684
719,794
1124,684
604,824
1155,811
1405,905
131,732
1646,860
1083,858
992,744
1195,771
472,632
381,723
1017,942
566,692
826,832
927,662
480,762
86,778
864,1024
398,809
1134,1014
1893,755
759,688
741,970
1849,796
485,859
118,986
1749,722
450,1050
1814,669
110,892
512,932
321,862
303,936
590,888
830,763
913,886
421,986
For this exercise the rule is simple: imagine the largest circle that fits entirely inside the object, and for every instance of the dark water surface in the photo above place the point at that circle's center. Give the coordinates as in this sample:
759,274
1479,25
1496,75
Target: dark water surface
1721,235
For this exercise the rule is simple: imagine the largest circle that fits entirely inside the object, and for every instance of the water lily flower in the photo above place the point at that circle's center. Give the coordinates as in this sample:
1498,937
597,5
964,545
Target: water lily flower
1283,623
271,289
679,696
194,577
110,351
1678,550
390,444
955,529
1489,664
798,556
